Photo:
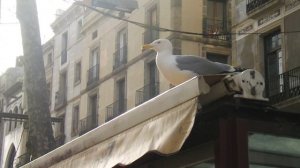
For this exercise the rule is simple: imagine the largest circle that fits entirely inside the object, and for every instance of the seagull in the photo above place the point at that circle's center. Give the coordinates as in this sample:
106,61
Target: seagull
180,68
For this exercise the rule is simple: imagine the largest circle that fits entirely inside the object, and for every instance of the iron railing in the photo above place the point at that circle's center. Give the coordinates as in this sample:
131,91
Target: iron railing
120,57
75,128
115,109
252,5
145,93
216,29
60,140
60,98
150,35
64,56
23,159
284,86
93,74
88,123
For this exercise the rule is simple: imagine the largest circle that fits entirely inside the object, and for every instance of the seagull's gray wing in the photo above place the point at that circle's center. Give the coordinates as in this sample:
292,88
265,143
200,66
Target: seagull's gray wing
201,66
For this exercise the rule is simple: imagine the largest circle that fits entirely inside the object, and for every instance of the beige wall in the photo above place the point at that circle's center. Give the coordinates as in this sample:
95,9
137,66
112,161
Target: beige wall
79,50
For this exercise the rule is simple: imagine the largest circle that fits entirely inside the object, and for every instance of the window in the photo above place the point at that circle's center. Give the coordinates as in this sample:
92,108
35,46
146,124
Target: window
217,58
216,10
121,52
79,28
75,120
151,87
272,151
11,157
121,95
153,80
91,120
93,72
60,131
94,34
93,111
49,92
94,56
77,74
49,59
61,94
64,48
10,124
63,82
152,19
273,63
215,21
1,105
16,112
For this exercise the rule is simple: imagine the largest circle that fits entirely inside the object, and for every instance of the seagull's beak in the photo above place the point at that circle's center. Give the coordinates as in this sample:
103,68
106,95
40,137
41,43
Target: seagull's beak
147,46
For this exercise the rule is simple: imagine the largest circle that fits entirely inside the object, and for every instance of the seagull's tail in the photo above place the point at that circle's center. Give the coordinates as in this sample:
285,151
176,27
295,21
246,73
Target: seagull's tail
237,69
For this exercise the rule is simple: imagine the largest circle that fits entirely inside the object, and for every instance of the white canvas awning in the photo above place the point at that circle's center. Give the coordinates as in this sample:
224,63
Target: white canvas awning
161,125
164,133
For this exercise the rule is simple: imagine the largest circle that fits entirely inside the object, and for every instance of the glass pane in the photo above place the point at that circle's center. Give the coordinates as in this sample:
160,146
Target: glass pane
206,164
215,10
273,151
273,42
153,17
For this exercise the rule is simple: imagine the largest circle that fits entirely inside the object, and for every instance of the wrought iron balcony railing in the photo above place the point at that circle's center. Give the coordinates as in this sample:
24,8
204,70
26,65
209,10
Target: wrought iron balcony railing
87,124
147,92
64,56
284,86
115,109
60,140
120,57
60,99
150,35
23,159
252,5
216,29
75,128
93,74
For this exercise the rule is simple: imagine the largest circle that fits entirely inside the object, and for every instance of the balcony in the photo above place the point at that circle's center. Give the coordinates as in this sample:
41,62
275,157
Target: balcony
23,159
150,35
60,99
64,56
254,7
216,29
284,86
60,140
87,124
93,75
115,109
145,93
120,57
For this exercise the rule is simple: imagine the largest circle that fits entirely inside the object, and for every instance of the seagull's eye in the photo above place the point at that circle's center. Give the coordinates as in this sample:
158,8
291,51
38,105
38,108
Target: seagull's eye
158,42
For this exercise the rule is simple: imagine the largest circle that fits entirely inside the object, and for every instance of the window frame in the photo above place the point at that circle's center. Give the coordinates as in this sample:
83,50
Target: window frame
77,73
75,120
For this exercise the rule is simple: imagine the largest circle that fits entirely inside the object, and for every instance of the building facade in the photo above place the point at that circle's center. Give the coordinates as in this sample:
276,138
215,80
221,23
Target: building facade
15,130
13,133
99,70
96,70
266,39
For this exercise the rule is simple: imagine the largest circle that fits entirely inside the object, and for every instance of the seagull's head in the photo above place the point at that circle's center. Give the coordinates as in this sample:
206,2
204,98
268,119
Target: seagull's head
159,45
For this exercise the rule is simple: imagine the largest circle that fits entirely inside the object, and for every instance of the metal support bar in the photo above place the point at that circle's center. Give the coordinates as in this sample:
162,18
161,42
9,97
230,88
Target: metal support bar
24,116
